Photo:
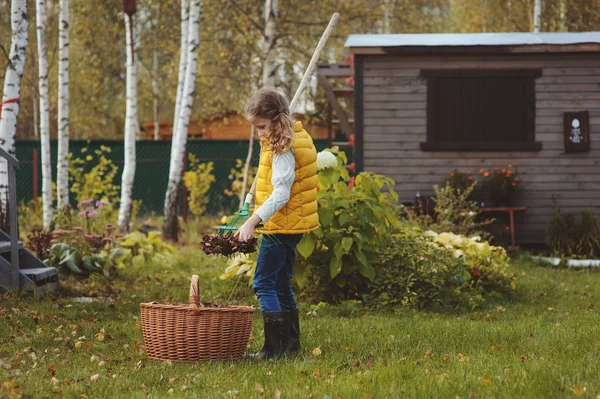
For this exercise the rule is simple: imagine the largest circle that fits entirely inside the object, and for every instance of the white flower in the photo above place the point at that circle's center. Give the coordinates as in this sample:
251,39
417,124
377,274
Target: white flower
325,160
456,240
458,253
430,233
471,213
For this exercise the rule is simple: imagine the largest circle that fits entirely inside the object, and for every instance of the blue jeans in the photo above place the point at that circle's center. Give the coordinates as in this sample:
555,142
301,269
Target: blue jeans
273,275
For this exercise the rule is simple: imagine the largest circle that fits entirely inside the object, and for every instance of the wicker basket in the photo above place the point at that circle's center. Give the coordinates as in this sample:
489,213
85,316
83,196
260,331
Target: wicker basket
195,332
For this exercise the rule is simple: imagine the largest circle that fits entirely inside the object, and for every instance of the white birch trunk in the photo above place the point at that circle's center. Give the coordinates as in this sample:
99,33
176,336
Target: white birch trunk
12,90
269,44
62,178
180,138
44,113
537,16
185,17
131,122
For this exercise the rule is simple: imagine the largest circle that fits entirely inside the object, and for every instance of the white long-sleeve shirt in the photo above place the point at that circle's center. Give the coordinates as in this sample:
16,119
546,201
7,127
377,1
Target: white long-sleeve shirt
282,178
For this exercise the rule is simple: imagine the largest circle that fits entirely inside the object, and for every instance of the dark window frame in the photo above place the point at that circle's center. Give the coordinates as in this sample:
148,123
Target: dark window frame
504,146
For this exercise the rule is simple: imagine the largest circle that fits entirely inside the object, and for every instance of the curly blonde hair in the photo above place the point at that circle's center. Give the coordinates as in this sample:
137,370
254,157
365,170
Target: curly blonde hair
271,104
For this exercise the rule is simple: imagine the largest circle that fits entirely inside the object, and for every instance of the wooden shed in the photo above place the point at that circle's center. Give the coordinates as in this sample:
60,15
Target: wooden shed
426,104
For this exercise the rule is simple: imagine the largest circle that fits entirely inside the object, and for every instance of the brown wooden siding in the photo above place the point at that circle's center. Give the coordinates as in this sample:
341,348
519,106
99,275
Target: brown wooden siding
395,122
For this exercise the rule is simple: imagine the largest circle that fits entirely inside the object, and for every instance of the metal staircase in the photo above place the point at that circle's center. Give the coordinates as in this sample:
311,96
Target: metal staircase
20,269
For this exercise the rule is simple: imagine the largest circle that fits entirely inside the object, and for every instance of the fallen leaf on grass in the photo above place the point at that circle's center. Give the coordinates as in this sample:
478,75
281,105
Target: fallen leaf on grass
446,357
277,394
577,391
429,353
317,351
316,373
259,388
95,377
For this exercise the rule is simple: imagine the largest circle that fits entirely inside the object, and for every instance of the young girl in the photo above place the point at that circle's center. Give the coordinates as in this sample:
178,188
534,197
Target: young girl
286,203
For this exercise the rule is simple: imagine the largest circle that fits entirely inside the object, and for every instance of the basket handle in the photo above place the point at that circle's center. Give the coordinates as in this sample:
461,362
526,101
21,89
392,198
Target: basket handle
194,298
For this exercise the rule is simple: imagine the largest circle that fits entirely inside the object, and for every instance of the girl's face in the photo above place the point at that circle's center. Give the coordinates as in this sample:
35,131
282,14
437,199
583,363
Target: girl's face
262,125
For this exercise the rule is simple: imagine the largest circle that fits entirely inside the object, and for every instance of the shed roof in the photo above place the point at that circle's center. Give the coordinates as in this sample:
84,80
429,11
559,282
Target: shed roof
476,42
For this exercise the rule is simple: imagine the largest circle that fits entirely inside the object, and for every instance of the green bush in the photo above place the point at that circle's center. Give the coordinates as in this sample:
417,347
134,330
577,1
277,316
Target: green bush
83,255
355,222
574,236
423,269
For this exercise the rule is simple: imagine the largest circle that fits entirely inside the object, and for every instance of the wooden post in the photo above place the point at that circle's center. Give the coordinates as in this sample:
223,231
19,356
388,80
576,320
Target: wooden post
35,178
329,125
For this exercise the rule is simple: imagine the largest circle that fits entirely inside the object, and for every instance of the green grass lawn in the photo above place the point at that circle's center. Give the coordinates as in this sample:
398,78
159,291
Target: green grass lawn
543,343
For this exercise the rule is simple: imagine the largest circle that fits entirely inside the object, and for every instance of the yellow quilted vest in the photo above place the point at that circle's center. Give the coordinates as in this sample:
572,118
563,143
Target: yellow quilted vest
299,215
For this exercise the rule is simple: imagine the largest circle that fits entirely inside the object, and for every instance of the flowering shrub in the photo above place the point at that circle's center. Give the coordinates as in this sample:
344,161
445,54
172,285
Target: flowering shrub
424,269
459,181
503,185
488,265
326,160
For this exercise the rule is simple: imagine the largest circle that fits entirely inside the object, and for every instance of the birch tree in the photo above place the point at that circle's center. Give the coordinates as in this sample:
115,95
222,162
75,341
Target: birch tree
62,178
131,121
537,15
171,225
12,90
185,17
44,113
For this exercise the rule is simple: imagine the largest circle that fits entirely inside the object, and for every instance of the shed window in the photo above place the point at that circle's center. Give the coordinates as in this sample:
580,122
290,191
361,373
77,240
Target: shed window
481,110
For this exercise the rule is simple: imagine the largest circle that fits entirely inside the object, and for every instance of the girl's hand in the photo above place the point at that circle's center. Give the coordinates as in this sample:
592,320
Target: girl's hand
246,232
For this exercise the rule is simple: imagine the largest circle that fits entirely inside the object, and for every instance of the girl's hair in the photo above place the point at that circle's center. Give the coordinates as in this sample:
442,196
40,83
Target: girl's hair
271,104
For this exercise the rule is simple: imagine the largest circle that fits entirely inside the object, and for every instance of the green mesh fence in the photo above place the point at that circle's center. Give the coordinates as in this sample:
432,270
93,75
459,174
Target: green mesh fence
152,168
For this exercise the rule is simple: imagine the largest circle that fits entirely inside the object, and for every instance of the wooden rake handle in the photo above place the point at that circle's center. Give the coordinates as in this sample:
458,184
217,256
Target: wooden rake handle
313,61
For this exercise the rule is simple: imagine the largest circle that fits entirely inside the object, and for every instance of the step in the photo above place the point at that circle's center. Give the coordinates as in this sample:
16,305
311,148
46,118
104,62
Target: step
39,273
5,246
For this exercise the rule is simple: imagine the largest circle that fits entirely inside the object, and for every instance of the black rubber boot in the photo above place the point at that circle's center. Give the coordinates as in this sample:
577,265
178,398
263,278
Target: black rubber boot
294,337
277,330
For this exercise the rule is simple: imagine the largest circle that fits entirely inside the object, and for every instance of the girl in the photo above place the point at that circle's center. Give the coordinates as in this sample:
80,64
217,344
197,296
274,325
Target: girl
286,202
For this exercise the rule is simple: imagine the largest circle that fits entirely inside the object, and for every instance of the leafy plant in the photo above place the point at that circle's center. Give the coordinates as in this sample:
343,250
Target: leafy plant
40,242
136,248
355,222
454,212
198,181
574,235
68,259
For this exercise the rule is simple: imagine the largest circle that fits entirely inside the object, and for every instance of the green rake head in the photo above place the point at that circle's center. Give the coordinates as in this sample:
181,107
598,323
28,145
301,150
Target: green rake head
237,222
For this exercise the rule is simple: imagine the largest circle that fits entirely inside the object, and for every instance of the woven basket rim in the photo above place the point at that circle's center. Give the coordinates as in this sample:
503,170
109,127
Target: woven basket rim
182,306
